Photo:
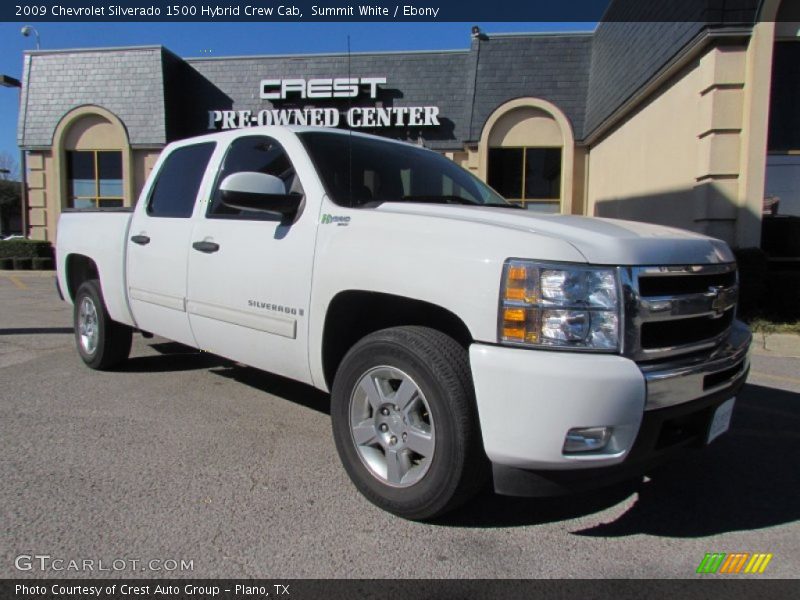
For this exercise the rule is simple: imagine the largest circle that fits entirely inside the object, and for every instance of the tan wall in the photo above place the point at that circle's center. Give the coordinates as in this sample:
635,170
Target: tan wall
46,197
143,163
693,155
93,132
41,216
579,181
85,128
526,126
468,159
755,108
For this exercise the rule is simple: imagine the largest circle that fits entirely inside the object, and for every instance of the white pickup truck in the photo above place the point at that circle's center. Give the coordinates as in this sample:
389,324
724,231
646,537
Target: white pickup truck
460,337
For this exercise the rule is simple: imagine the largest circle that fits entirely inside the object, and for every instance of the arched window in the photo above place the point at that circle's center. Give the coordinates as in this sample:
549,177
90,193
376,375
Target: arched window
526,154
93,152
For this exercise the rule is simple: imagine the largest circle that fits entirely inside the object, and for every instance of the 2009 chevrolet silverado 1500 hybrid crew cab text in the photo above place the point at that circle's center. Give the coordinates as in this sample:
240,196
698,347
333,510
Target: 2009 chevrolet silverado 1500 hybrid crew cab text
460,337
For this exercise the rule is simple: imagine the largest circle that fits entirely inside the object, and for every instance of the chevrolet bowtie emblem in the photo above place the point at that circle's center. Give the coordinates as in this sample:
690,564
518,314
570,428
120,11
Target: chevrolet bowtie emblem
720,300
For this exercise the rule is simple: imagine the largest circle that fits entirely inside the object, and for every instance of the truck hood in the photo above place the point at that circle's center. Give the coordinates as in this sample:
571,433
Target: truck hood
600,241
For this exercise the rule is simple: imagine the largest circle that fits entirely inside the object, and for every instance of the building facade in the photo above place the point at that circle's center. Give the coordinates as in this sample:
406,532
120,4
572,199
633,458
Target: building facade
690,122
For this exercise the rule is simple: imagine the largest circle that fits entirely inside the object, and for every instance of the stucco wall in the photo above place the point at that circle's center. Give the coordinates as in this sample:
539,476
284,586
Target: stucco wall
143,163
40,216
677,159
645,169
45,196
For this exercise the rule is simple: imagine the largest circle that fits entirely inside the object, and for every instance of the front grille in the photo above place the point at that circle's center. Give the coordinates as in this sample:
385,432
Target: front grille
684,284
672,311
663,334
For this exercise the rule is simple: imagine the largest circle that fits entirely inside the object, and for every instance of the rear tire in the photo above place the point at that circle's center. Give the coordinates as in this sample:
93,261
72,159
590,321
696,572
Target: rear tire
405,423
102,342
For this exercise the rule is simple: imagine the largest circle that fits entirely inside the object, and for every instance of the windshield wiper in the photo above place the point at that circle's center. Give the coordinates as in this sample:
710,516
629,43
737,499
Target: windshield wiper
499,205
443,199
453,199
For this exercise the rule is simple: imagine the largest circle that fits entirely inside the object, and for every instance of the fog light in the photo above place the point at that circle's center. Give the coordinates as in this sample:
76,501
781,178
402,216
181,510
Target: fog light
586,439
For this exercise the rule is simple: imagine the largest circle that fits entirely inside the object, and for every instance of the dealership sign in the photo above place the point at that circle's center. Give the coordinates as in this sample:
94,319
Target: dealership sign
340,87
357,117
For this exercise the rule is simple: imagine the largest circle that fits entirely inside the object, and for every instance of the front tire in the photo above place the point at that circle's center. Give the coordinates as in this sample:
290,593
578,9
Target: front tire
102,342
405,424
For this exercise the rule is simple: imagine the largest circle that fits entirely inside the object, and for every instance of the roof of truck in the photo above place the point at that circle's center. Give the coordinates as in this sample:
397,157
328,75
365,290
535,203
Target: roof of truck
271,129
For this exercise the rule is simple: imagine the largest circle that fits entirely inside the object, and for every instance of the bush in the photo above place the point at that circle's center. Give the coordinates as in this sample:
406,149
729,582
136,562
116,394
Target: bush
23,264
42,264
6,264
753,270
25,249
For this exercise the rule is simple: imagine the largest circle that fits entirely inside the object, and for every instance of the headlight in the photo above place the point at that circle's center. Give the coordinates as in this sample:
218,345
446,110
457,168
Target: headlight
568,306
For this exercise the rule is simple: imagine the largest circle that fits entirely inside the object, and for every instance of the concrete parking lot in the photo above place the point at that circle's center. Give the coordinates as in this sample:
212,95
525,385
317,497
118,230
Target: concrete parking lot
185,456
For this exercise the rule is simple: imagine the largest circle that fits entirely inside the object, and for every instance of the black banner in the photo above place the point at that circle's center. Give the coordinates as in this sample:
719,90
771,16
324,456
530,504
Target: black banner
741,11
729,588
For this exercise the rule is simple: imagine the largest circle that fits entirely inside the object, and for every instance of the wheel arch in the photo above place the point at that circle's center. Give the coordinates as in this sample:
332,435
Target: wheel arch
353,314
79,268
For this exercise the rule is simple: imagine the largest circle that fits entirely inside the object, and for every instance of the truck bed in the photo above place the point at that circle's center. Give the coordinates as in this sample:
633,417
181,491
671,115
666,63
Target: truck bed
99,235
116,209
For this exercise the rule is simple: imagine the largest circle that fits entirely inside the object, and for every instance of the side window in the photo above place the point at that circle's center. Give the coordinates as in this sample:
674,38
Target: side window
178,181
259,154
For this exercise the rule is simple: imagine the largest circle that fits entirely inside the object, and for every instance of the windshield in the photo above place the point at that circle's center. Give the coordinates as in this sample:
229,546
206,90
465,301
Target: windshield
383,171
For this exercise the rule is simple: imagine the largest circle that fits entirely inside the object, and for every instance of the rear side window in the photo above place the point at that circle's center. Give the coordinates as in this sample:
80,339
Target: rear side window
178,181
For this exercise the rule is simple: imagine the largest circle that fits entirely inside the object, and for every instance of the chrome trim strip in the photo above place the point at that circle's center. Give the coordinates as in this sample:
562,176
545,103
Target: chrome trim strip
647,354
668,270
711,303
682,381
638,310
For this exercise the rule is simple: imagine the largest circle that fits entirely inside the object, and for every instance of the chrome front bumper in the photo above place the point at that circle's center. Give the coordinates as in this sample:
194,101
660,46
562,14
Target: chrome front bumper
686,380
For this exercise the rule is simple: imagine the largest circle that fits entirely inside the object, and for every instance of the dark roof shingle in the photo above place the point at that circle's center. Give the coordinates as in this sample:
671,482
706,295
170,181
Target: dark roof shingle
128,82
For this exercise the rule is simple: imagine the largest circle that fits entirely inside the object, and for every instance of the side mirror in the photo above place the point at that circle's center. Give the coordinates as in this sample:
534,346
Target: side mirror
259,192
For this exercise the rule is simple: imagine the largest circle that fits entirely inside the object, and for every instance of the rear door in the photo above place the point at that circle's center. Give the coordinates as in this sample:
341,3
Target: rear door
250,272
159,242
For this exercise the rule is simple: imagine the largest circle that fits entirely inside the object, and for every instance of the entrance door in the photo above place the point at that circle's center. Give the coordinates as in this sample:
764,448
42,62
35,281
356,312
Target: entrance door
250,273
159,243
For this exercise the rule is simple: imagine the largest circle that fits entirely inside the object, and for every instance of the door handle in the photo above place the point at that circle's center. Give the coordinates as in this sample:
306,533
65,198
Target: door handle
207,247
142,240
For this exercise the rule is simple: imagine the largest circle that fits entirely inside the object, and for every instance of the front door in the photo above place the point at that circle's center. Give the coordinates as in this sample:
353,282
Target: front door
250,272
159,242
